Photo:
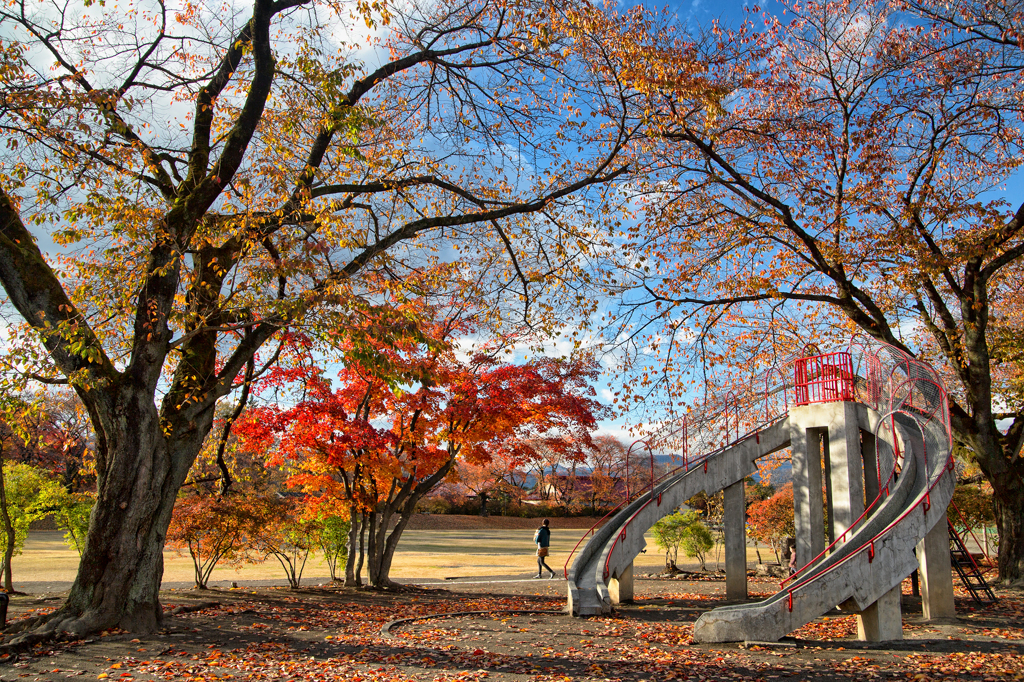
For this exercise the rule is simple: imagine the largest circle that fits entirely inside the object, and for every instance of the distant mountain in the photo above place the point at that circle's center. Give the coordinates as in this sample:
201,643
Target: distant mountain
782,475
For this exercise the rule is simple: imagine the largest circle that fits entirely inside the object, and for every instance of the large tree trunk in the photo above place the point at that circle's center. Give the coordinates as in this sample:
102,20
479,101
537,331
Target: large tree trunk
353,549
383,545
993,450
361,556
402,499
140,472
1009,508
1006,474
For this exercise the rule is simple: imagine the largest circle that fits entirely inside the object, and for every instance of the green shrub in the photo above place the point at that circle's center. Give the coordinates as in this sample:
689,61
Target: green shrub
683,529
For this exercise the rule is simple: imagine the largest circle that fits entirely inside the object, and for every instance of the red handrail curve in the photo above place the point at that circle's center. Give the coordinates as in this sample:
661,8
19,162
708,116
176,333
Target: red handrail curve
768,391
687,465
565,568
693,463
896,457
869,507
685,430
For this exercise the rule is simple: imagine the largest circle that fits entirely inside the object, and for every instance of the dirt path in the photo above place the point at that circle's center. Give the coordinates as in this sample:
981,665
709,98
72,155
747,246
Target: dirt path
336,634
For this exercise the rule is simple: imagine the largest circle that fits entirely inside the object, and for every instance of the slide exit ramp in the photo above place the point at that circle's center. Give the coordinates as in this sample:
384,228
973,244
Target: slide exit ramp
872,560
612,549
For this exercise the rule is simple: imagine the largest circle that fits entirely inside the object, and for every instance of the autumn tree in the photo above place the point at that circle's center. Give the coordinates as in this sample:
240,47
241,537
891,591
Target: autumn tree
44,445
289,533
403,416
971,509
832,171
608,471
771,521
217,529
179,185
57,434
504,476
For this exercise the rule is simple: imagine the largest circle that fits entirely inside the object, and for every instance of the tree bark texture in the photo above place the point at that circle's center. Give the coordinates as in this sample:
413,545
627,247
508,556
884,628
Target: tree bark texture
119,575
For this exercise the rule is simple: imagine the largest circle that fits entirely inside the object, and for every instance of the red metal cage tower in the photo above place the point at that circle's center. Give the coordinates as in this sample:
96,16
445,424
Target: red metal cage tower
826,378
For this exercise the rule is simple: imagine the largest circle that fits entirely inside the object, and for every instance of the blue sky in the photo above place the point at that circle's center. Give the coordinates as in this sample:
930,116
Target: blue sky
703,12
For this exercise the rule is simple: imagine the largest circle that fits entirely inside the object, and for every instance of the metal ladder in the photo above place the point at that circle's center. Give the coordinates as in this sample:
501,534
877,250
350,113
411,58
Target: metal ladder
967,568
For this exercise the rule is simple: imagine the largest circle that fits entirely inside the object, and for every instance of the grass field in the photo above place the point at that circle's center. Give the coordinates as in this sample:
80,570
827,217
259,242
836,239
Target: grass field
47,564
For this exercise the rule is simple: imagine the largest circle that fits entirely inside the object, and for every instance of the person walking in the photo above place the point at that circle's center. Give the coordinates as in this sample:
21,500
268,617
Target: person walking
543,539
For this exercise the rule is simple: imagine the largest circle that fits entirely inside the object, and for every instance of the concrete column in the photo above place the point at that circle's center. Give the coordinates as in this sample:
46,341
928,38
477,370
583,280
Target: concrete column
869,454
735,542
809,518
846,470
935,573
826,463
883,620
621,589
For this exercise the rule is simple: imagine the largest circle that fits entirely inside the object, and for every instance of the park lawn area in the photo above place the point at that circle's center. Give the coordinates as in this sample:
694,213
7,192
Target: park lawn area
421,554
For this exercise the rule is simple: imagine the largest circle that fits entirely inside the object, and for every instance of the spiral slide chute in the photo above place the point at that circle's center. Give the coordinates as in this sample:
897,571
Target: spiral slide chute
867,566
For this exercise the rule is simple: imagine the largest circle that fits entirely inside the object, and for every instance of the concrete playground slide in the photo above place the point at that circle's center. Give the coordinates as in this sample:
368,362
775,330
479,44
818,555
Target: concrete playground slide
872,562
607,559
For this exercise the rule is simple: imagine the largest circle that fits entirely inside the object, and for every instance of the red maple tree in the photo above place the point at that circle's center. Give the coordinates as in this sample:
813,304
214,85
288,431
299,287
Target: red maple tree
406,408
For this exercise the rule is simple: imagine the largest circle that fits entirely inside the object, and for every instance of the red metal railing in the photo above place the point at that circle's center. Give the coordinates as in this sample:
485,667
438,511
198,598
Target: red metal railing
565,568
869,544
692,464
824,378
883,492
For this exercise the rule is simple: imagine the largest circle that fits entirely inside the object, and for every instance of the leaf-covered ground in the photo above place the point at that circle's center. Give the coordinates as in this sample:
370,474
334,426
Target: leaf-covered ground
338,634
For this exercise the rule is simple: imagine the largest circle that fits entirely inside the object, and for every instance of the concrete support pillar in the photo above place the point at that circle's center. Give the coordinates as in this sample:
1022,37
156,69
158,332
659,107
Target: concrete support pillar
870,456
846,471
883,620
826,463
735,542
808,512
935,573
621,589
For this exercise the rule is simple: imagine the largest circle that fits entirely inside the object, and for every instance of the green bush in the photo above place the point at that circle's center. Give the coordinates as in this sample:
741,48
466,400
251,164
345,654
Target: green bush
71,513
697,542
332,539
24,486
683,529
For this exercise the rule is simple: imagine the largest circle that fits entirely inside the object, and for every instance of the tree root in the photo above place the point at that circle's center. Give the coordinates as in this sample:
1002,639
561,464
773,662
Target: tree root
56,626
26,640
27,624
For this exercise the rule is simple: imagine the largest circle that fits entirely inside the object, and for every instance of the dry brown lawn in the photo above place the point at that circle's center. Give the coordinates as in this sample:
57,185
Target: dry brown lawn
471,547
